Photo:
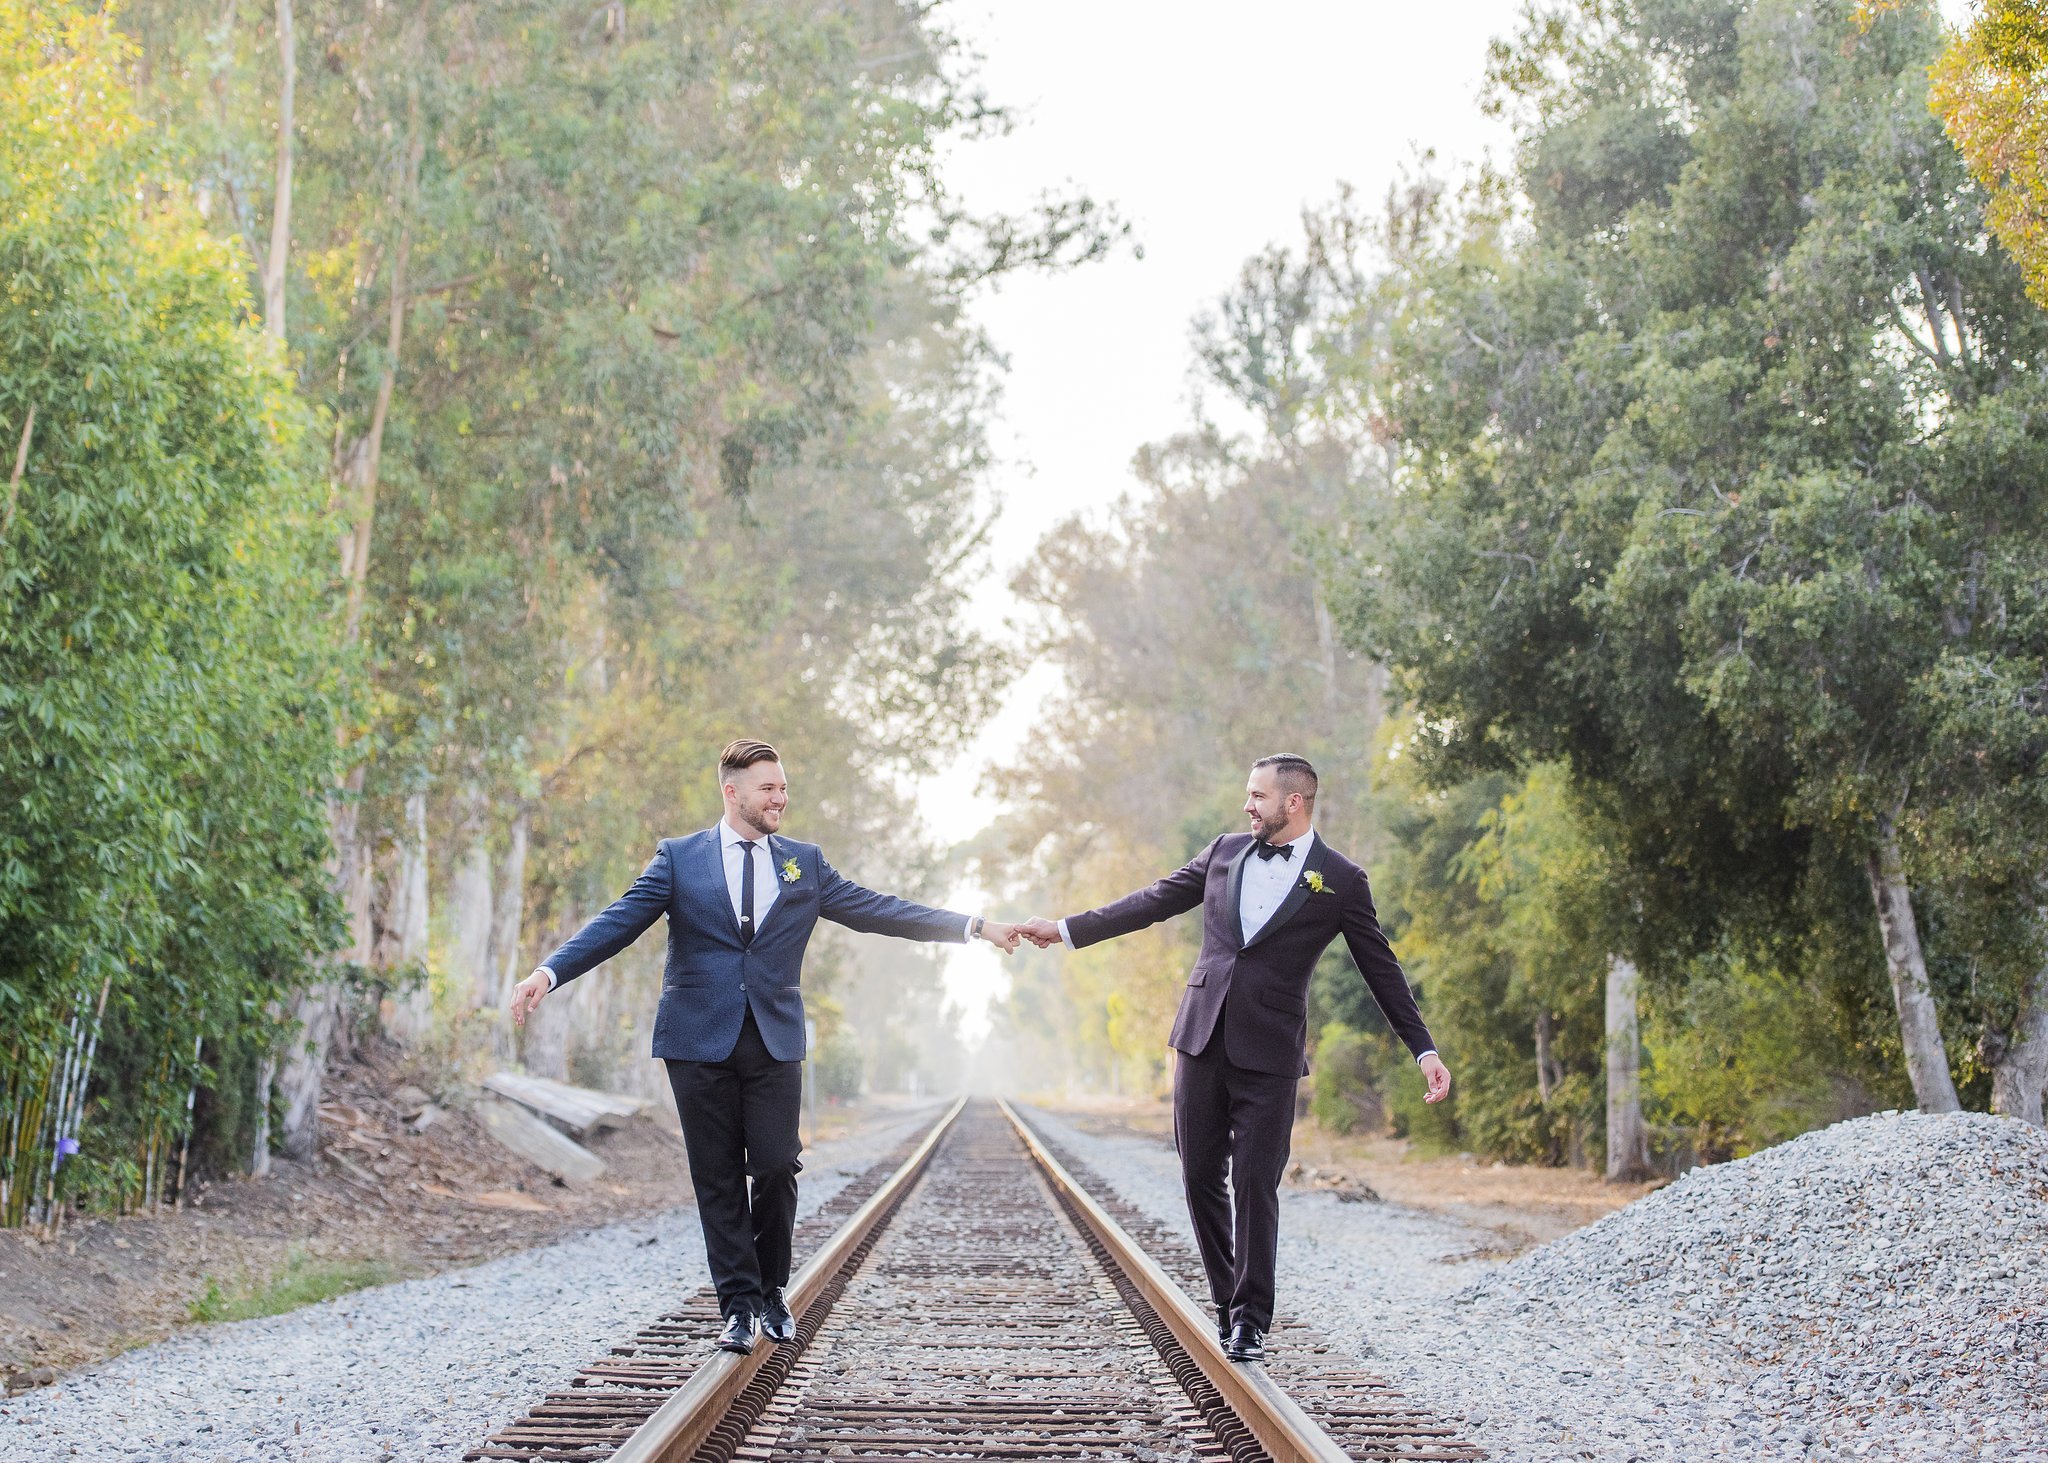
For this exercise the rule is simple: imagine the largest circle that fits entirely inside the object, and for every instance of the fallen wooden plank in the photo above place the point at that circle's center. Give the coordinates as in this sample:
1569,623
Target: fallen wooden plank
534,1140
579,1109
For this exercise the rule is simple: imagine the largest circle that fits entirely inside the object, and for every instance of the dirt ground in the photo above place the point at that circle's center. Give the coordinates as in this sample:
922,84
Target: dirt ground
1523,1206
382,1195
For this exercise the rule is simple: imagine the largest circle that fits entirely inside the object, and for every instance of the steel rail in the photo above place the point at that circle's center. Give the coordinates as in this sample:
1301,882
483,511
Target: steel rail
1286,1432
682,1423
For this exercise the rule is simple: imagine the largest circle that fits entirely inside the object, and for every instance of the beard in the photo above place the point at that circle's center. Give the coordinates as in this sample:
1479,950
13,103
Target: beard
1263,829
758,820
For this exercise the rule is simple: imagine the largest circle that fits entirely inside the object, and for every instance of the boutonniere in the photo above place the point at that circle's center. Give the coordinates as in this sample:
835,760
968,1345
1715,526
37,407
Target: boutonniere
790,872
1314,879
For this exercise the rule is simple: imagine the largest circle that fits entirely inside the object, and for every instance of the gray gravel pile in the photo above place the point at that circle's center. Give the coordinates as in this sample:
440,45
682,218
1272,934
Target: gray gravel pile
419,1370
1887,1276
1878,1289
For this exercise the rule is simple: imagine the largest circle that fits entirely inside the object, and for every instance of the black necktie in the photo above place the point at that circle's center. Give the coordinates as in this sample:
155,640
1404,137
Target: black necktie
1276,850
746,892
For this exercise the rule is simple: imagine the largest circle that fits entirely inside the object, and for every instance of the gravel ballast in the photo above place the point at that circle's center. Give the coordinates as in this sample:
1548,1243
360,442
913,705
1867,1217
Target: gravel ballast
1876,1289
418,1370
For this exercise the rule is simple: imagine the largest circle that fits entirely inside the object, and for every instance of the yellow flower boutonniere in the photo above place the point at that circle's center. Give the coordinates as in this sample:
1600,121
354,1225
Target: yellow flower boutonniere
790,872
1315,883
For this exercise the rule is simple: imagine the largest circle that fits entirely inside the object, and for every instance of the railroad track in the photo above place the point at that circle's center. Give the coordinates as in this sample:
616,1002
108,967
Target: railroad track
974,1300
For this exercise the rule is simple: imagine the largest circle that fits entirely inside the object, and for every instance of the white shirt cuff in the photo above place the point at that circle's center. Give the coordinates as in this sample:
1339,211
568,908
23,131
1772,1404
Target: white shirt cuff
1065,938
968,929
1430,1053
553,979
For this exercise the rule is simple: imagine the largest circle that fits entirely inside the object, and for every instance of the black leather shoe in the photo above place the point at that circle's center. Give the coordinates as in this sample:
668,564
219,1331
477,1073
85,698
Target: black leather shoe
1246,1343
777,1324
740,1329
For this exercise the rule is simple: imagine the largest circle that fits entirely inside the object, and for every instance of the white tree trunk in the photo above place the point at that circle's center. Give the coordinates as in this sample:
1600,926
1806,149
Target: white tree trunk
1628,1138
469,904
279,253
403,947
1919,1025
508,917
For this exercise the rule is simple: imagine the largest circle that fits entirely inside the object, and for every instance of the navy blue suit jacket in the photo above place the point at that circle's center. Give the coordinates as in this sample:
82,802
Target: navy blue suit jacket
711,978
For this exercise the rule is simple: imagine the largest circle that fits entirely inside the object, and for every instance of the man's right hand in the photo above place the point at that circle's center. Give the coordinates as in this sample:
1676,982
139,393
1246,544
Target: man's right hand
1040,931
528,994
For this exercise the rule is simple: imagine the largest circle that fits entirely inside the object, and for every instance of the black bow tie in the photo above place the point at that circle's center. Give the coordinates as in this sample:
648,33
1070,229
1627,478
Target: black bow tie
1276,850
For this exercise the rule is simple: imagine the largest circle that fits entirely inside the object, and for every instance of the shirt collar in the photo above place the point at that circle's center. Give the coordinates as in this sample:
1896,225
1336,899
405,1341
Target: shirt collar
1300,845
729,835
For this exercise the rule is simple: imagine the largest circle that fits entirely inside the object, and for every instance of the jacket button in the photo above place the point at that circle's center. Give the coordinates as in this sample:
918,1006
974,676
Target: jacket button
743,986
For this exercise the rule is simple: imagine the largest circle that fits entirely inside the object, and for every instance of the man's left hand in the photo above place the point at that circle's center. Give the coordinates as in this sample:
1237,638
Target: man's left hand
1003,937
1438,1076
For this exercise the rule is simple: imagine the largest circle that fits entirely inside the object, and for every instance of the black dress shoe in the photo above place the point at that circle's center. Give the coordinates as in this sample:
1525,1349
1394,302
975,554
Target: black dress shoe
1246,1343
739,1332
777,1324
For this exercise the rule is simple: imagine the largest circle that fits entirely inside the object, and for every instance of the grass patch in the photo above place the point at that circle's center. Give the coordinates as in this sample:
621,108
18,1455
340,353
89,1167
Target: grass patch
302,1282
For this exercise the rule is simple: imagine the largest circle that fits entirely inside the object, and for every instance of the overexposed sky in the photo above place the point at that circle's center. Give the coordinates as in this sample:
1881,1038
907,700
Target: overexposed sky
1209,127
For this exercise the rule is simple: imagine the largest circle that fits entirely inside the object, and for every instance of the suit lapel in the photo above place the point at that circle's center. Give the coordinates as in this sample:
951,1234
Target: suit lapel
1299,895
1236,890
712,861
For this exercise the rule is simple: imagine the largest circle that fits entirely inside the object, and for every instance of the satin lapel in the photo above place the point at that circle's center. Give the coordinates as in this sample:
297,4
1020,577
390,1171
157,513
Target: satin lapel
1236,890
1298,895
712,862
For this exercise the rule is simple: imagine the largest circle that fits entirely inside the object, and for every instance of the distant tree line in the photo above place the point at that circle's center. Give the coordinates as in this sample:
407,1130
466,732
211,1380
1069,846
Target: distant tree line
1684,478
433,429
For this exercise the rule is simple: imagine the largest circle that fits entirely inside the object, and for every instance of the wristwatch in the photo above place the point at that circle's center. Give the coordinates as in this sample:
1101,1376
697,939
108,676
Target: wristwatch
974,930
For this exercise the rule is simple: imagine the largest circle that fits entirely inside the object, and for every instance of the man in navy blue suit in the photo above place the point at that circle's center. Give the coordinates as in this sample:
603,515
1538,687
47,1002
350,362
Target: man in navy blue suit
741,903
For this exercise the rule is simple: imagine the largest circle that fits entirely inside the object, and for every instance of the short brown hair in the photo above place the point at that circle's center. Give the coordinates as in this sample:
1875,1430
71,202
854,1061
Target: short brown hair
1293,773
740,755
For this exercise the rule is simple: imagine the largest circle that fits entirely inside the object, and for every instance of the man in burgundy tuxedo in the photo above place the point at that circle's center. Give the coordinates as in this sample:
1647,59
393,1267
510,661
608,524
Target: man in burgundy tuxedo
1272,900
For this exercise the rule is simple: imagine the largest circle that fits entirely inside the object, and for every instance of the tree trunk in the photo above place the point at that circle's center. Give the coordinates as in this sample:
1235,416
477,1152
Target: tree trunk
281,202
2019,1058
402,942
1919,1025
259,1150
1628,1139
306,1063
469,903
1546,1077
508,910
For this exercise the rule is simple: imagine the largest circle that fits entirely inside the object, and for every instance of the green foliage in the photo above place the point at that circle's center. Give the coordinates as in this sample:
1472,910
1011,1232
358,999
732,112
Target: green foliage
840,1068
165,667
1343,1095
303,1281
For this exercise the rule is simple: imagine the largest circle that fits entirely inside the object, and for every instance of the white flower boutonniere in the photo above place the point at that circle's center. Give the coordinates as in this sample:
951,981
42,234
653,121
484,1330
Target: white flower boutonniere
1315,883
790,872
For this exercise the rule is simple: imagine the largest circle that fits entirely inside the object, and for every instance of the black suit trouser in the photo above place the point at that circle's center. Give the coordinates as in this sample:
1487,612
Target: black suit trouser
739,1124
1233,1128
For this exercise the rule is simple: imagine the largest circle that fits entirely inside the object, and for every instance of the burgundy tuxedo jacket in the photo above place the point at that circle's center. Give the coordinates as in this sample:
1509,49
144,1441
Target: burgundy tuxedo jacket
1260,987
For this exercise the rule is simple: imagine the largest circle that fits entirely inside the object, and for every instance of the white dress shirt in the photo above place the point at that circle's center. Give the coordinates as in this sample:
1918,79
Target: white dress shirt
1264,888
1267,882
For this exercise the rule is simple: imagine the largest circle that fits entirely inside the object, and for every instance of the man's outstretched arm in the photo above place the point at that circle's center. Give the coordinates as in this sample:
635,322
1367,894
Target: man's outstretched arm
846,903
1374,956
1177,893
625,920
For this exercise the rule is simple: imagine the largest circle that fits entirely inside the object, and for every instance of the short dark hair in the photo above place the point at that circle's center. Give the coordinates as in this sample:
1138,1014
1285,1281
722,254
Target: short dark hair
740,755
1293,773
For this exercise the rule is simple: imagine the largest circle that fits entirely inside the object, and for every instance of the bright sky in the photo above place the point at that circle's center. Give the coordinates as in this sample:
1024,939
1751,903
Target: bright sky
1209,126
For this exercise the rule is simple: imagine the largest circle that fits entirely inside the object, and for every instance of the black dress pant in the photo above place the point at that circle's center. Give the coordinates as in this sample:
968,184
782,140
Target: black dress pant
739,1124
1233,1128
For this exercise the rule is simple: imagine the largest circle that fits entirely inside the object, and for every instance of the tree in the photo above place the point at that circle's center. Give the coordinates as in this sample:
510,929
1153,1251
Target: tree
1991,90
164,664
1713,470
